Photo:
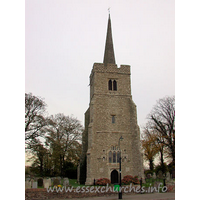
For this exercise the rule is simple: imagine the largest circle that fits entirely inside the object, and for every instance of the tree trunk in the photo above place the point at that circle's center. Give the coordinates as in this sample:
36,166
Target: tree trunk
151,164
41,167
60,165
173,155
161,157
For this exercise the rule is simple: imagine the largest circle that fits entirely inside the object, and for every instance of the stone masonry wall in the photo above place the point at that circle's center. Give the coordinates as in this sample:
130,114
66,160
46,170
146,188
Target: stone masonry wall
102,133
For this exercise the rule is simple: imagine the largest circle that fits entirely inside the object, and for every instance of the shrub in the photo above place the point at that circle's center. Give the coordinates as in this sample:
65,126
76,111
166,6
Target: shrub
103,181
127,179
136,180
163,168
148,172
130,179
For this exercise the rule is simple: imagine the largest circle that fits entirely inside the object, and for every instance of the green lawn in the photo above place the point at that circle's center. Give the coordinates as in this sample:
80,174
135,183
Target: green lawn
73,182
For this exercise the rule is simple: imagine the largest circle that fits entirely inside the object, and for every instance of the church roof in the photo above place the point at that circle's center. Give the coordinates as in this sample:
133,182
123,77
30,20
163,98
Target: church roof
109,56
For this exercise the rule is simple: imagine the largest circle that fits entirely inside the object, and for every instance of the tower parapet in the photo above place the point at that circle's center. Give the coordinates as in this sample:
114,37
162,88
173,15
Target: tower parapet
111,68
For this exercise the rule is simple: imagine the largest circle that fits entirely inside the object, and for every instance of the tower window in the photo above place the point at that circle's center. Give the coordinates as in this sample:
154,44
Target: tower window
118,156
110,156
110,84
113,119
114,154
115,85
114,157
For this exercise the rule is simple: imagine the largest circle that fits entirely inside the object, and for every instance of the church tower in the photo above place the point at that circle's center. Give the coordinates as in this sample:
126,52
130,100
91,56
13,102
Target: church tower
111,115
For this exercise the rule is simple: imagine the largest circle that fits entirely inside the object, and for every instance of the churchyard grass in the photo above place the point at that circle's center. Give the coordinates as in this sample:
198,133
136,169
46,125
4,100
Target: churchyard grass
152,181
74,183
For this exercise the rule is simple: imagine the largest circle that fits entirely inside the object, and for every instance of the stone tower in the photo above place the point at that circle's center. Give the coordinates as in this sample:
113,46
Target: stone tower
111,114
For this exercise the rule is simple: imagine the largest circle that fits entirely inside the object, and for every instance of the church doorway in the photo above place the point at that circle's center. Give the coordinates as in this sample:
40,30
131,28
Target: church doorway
114,176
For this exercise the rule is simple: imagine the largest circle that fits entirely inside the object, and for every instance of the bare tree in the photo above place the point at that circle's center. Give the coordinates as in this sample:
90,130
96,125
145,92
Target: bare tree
162,120
34,118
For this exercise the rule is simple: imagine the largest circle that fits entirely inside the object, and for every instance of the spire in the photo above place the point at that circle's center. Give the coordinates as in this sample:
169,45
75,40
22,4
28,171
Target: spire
109,56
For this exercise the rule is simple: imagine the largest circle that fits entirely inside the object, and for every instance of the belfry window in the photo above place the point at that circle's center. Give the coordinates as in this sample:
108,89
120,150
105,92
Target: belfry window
115,85
110,84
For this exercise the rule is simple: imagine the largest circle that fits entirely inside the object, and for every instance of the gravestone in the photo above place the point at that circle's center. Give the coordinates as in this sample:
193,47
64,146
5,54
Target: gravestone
154,175
56,181
27,184
50,182
65,182
52,179
34,184
32,180
59,178
160,175
40,182
47,182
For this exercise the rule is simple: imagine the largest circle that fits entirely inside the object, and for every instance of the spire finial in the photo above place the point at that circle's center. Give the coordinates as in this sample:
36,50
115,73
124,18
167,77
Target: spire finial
109,10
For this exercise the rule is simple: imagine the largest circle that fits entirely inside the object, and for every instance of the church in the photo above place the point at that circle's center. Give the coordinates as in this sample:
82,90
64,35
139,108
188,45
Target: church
111,129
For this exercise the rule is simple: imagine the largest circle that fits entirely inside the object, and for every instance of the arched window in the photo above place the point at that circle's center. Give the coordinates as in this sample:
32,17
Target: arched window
114,154
118,156
114,157
115,85
110,84
110,156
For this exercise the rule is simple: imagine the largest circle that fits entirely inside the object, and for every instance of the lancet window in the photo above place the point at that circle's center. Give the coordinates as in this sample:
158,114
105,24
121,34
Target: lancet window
114,154
112,85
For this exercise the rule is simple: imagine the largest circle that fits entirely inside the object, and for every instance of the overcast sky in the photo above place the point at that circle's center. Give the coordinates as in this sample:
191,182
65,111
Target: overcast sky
64,38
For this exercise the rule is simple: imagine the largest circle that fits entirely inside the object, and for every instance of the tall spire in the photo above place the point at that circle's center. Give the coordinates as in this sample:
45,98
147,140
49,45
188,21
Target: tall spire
109,56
